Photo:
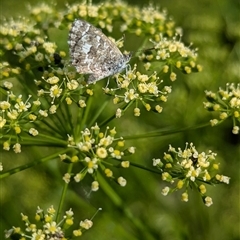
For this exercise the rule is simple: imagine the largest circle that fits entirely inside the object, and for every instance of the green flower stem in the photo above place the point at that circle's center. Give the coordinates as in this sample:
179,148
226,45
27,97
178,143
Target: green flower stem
109,191
69,117
142,47
63,196
124,108
29,165
115,198
40,140
96,115
51,127
28,86
159,133
82,117
141,167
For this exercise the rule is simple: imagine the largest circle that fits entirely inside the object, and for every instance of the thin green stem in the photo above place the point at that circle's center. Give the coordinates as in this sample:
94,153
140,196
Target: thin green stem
96,115
141,167
116,199
123,108
63,196
29,165
159,133
40,140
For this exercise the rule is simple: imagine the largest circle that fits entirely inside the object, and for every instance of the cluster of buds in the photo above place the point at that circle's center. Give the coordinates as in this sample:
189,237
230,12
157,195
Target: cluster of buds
227,103
45,226
96,151
187,168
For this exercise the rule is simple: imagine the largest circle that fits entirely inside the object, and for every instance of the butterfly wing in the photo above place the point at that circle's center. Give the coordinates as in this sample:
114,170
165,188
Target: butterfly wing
94,53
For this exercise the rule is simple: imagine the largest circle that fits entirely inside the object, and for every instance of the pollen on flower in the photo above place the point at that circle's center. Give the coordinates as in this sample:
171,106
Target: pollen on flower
55,91
101,152
117,154
91,164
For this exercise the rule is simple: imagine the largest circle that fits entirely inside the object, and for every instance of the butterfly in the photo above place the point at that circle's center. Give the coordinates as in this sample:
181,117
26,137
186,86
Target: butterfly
93,53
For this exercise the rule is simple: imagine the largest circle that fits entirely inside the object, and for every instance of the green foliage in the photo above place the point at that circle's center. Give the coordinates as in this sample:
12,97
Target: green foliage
77,147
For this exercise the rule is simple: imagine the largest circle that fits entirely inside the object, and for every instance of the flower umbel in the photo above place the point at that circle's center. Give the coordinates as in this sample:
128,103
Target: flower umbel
46,228
188,168
96,151
227,103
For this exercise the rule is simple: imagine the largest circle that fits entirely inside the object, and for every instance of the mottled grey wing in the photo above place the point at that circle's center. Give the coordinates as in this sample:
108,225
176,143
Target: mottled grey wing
92,52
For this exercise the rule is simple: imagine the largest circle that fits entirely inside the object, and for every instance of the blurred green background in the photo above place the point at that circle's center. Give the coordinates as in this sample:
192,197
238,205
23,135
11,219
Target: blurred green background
213,27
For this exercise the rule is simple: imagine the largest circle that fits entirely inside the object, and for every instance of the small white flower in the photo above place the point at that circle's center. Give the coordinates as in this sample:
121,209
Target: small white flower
208,201
86,224
165,191
95,186
122,181
33,131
